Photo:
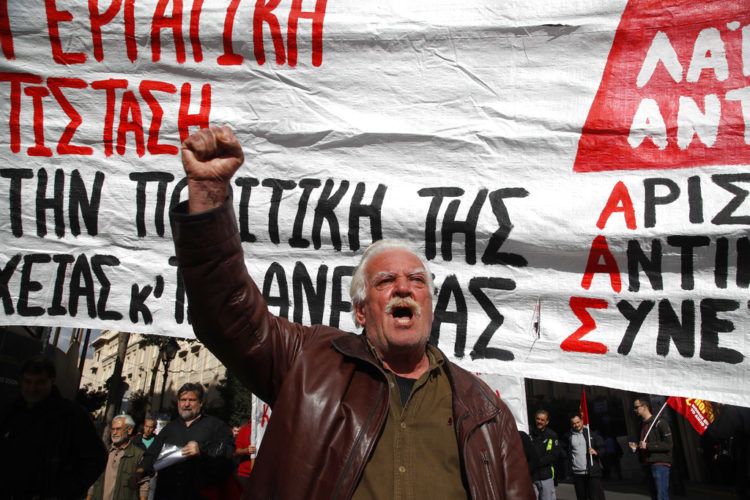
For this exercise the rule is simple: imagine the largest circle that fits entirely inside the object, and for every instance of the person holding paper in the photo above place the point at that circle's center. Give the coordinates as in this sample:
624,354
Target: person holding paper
378,415
201,462
654,449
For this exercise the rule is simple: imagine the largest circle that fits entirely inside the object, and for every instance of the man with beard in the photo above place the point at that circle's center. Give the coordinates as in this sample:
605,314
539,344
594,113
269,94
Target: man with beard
124,456
378,415
584,448
548,452
48,445
205,455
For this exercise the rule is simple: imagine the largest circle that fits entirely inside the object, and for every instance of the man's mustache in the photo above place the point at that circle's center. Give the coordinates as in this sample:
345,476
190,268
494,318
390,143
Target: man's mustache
407,302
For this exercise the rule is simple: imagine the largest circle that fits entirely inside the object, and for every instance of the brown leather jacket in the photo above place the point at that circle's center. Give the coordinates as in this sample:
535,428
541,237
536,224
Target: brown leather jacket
328,393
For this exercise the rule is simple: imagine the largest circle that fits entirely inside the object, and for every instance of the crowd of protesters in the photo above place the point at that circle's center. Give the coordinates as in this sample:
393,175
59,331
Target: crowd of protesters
49,449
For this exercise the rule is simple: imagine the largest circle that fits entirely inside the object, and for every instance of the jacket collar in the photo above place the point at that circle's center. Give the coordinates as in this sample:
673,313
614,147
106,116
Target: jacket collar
472,411
482,405
126,451
355,346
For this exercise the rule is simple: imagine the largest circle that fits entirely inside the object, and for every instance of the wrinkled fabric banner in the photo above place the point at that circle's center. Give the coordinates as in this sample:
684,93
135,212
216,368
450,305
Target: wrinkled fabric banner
574,173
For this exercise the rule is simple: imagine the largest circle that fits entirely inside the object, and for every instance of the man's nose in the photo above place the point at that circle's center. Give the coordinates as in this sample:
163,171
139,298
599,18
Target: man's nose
402,287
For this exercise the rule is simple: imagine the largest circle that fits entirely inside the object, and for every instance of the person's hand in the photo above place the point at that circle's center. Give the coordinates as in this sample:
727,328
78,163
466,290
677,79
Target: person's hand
251,449
593,451
633,446
191,449
210,157
642,445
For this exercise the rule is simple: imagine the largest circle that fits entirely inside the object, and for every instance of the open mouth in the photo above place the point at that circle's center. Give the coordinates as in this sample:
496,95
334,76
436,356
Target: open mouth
403,310
402,313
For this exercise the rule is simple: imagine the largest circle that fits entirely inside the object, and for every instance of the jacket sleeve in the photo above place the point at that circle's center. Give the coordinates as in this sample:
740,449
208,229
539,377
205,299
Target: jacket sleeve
514,463
217,453
228,312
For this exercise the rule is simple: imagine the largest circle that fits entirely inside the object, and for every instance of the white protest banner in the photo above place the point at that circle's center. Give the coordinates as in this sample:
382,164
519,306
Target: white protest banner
575,173
513,392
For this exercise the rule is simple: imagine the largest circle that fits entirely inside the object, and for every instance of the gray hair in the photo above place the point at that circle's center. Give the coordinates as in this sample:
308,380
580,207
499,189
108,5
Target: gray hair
129,422
358,286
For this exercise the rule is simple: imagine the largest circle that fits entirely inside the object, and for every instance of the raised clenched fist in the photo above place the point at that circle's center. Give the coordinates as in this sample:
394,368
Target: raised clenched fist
210,158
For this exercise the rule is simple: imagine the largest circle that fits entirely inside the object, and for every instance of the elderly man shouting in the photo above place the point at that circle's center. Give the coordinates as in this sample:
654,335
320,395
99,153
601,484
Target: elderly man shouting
379,415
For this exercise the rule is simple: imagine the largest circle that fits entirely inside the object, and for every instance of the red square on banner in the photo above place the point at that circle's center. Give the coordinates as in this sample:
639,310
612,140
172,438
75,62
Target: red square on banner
675,91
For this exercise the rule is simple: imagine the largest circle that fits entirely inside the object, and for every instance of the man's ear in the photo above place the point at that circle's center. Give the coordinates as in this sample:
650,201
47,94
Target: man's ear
359,313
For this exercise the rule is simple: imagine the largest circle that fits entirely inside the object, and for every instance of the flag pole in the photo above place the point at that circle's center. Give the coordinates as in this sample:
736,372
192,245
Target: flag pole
584,410
653,422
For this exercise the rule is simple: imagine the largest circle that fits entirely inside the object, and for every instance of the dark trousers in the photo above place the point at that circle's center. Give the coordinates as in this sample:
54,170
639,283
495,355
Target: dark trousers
588,487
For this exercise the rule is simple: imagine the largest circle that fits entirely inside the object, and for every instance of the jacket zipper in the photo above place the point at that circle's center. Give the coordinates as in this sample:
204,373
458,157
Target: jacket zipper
485,460
488,472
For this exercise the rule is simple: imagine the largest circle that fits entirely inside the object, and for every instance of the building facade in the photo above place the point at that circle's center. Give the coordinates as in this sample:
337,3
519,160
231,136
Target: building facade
192,363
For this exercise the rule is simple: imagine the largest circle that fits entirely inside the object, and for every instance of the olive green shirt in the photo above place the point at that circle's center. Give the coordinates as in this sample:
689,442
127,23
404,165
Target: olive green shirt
416,456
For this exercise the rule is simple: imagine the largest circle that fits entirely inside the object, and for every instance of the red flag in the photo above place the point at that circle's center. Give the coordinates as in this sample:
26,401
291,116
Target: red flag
698,412
584,409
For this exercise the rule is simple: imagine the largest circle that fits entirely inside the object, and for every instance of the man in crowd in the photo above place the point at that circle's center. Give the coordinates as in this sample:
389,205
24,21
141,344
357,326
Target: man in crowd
654,449
144,439
548,451
48,445
206,449
124,456
583,449
379,415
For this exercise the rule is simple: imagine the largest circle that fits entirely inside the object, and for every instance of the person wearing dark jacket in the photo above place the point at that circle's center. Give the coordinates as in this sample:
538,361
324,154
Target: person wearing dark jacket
48,445
548,452
206,448
584,449
377,415
144,439
654,449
